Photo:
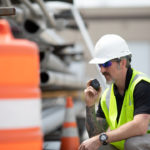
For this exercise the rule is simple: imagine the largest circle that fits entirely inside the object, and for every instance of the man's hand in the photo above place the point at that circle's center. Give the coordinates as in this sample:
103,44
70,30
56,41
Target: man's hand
90,144
91,94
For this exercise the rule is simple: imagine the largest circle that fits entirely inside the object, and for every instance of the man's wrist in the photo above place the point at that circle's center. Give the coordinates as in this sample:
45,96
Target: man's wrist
90,108
98,143
103,138
90,104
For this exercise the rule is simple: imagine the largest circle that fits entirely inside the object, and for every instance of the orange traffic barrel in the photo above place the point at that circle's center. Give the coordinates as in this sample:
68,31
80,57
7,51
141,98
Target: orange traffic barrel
20,104
70,139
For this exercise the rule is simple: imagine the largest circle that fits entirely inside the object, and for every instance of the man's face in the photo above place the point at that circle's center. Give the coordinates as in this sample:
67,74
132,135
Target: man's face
111,71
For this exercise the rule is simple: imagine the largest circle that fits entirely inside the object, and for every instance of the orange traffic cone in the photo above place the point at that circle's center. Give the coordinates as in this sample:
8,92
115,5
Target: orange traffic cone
70,139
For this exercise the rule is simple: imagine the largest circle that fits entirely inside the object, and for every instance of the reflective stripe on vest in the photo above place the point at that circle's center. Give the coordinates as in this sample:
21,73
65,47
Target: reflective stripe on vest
137,76
108,97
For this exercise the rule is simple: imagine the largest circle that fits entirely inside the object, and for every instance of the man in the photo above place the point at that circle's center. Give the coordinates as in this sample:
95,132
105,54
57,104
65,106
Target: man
124,106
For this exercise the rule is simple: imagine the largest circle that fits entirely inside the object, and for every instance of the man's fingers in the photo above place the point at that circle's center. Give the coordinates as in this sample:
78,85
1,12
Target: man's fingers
90,90
88,83
100,89
79,148
82,147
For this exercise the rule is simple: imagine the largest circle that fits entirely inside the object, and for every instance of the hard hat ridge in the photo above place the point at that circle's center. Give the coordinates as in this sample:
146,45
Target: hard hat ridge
109,47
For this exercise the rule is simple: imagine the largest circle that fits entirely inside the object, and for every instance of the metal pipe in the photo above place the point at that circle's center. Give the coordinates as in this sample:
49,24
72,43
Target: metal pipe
44,34
82,27
50,61
54,117
87,39
7,3
52,102
50,36
35,30
31,8
49,78
49,15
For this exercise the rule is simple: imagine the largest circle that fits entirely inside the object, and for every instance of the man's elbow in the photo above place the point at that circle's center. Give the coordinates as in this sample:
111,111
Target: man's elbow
142,128
141,123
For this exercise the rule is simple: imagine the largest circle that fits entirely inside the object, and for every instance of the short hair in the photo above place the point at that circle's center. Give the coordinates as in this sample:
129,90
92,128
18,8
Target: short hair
128,60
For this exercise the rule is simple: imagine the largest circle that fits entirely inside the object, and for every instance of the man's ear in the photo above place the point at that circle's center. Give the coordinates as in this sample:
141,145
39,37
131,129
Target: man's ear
123,63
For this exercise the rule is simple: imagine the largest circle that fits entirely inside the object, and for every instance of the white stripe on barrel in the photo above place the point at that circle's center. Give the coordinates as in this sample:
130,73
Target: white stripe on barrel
20,113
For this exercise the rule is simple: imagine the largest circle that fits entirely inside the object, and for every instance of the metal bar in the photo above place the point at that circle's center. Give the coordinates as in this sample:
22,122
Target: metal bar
6,3
7,11
29,5
49,78
86,38
52,62
54,117
62,93
49,16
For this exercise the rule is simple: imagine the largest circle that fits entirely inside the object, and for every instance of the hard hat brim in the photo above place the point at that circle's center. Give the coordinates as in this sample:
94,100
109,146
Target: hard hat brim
98,61
103,60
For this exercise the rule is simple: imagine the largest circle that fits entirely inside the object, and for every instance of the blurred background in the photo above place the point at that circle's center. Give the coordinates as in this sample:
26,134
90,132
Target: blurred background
65,33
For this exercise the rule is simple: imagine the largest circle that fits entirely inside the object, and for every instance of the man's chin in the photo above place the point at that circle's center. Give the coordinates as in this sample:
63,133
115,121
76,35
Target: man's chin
109,82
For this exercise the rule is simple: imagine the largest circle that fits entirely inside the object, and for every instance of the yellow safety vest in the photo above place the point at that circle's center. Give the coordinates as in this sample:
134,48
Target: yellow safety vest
109,106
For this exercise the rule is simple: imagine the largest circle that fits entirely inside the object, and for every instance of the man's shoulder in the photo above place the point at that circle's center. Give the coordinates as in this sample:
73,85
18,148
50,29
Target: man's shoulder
143,84
142,87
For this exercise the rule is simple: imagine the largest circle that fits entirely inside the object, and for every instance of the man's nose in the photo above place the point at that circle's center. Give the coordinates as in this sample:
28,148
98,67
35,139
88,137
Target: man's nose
102,69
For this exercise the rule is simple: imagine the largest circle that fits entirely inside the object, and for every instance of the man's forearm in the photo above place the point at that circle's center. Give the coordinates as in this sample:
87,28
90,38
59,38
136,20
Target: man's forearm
133,128
136,127
93,125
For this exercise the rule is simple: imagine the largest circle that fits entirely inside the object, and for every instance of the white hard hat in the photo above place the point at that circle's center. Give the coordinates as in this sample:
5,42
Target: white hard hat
109,47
